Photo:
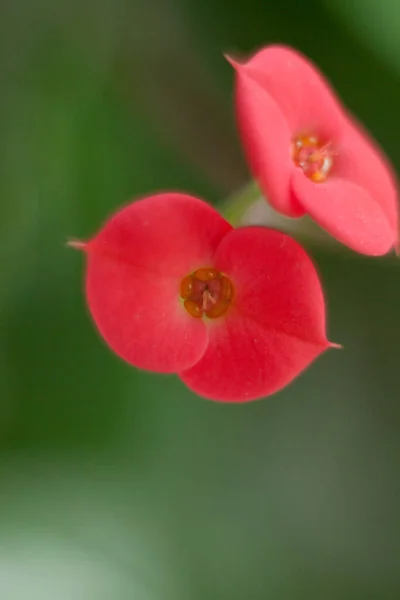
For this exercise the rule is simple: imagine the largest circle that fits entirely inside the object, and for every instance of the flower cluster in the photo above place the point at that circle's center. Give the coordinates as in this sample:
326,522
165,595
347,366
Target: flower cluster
237,314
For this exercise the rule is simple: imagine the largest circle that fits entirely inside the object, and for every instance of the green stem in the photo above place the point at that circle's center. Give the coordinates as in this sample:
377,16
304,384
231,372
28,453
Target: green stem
236,205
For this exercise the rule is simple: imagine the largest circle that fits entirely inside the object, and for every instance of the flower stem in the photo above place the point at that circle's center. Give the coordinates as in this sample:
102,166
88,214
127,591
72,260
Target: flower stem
234,207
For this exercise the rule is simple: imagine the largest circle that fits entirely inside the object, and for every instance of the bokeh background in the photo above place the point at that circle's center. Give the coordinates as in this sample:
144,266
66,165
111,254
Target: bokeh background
116,484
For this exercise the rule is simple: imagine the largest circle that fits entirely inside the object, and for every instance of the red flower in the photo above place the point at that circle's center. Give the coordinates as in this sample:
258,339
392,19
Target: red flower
172,288
309,156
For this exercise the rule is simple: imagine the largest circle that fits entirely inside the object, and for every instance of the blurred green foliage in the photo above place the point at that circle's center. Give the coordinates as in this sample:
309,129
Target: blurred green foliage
120,484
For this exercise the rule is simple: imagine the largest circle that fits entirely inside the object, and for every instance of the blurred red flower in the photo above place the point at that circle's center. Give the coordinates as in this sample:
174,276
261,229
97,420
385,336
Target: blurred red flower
172,288
309,156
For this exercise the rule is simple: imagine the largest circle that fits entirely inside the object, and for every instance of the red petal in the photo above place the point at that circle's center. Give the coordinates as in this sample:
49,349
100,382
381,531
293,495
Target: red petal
302,93
347,212
170,234
359,160
266,139
276,326
135,265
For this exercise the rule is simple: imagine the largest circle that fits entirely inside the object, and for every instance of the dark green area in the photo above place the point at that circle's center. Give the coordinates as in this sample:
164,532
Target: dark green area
123,485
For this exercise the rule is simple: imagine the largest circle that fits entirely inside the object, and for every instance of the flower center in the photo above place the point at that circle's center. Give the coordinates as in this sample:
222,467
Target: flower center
314,158
206,292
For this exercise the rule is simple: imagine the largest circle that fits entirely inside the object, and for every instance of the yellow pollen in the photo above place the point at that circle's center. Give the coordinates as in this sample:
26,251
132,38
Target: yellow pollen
314,158
206,292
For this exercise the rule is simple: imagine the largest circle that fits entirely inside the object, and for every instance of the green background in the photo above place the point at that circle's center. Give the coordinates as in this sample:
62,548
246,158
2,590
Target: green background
116,484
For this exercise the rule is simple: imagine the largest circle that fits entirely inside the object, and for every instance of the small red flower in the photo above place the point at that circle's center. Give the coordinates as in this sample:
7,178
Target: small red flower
172,288
309,156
